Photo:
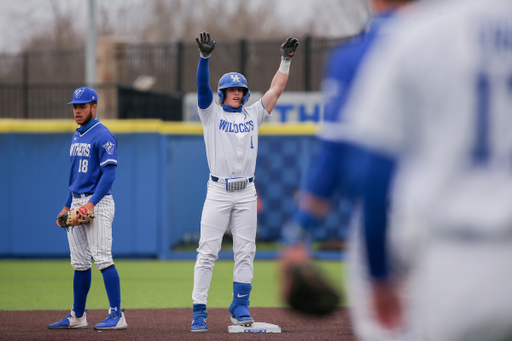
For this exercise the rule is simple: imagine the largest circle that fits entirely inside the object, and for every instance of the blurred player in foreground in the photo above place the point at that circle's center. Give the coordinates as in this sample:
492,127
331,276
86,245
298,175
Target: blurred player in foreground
93,170
433,109
231,139
331,172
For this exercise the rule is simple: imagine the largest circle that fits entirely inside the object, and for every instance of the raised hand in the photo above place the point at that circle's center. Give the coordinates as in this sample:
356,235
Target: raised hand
288,48
205,44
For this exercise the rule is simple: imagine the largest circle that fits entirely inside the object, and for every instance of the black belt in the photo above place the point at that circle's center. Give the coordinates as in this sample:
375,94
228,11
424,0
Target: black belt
216,179
79,195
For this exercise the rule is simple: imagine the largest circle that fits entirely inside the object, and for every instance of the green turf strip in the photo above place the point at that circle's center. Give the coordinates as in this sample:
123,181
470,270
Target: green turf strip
48,284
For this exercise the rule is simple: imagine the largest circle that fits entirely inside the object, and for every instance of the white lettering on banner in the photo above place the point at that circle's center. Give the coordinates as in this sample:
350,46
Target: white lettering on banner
291,107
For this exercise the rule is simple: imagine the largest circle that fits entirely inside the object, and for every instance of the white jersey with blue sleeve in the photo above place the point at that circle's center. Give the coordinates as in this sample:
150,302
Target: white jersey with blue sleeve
231,139
437,100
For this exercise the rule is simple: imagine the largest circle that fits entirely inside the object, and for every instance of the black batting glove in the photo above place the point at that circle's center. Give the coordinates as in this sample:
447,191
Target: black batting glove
288,48
205,44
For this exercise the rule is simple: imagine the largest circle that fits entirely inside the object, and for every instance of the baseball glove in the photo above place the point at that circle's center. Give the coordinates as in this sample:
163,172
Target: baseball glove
78,216
305,287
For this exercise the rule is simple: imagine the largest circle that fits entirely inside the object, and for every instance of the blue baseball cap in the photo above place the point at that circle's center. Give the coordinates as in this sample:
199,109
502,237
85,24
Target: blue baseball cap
84,95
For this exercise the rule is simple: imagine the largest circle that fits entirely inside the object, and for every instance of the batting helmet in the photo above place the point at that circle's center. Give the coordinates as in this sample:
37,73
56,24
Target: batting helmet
84,95
233,80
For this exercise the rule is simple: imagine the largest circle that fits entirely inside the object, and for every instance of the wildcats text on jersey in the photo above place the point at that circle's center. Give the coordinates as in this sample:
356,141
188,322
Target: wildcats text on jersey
80,149
230,127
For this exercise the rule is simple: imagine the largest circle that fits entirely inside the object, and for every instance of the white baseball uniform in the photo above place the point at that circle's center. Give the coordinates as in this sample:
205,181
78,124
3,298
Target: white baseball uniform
437,98
231,140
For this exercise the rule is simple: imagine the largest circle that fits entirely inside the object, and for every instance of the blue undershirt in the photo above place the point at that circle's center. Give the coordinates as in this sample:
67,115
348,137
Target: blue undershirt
375,194
204,92
107,179
86,127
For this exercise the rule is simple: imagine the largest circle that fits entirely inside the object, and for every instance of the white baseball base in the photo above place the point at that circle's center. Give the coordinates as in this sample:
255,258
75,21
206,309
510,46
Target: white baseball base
257,327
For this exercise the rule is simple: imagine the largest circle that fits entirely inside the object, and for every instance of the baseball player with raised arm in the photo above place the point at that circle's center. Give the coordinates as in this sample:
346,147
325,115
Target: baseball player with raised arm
432,110
231,139
330,173
93,156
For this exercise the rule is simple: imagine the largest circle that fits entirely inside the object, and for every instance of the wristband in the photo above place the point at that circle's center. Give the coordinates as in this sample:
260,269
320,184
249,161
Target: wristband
285,65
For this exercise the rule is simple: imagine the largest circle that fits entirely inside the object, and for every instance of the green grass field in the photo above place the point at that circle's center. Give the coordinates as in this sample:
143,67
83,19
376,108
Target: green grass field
145,284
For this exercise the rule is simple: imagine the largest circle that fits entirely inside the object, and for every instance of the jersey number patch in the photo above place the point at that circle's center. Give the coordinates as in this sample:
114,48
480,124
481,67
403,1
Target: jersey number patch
82,166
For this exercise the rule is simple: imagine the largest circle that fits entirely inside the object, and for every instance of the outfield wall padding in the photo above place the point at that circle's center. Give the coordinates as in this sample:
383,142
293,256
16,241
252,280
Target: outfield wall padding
159,189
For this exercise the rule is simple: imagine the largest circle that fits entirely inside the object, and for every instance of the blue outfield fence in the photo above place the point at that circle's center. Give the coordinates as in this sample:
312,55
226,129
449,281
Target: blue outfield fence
159,190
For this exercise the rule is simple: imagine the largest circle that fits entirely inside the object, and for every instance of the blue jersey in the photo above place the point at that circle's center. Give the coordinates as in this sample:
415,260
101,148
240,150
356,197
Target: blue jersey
341,69
91,151
333,169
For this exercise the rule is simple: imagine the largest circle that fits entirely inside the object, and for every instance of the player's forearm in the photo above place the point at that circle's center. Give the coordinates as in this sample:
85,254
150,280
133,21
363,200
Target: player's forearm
280,79
107,179
204,92
279,83
277,86
376,192
68,200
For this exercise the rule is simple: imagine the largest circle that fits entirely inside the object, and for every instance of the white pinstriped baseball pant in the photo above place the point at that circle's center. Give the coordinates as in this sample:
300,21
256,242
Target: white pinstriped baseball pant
222,209
93,241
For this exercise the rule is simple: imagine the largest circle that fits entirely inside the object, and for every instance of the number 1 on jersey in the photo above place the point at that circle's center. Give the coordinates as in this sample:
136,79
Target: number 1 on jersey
481,151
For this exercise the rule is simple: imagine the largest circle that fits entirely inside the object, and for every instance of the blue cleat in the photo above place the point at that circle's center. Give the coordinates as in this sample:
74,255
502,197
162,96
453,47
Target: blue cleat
199,325
114,321
71,322
239,308
199,316
240,315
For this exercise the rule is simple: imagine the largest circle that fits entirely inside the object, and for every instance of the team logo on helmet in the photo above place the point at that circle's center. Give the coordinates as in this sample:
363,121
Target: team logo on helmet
78,93
230,80
109,147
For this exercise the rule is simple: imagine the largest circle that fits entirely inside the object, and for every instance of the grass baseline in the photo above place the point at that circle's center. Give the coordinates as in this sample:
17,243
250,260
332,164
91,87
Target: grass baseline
145,284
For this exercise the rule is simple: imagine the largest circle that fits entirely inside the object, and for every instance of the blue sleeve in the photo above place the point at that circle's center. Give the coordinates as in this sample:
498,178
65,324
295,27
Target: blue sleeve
322,181
107,149
107,179
336,168
376,193
68,200
204,92
325,170
338,75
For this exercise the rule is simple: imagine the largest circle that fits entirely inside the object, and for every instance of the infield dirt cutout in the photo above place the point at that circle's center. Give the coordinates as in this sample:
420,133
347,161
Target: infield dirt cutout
174,324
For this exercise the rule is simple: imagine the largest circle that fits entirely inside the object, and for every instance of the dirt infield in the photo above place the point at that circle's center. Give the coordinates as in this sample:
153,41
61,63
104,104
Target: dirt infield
174,324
